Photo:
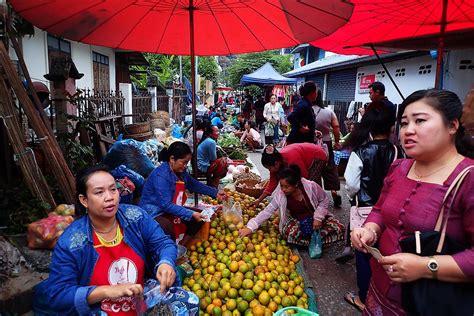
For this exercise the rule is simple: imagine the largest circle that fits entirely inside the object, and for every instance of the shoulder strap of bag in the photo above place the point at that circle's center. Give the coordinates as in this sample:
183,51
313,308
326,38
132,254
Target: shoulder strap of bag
455,185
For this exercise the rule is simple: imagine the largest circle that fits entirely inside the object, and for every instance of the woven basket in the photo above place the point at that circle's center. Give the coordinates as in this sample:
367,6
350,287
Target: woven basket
250,183
158,123
137,128
165,116
140,137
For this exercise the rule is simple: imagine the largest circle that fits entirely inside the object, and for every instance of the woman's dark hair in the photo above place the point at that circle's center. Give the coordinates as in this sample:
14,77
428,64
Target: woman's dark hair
319,99
81,184
251,124
374,122
270,157
207,132
449,105
307,88
292,174
178,150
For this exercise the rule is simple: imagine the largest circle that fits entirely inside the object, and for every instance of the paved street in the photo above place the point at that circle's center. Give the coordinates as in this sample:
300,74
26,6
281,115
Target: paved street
329,279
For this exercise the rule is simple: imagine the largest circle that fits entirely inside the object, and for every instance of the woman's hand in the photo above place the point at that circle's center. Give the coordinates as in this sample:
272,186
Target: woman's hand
244,232
404,267
198,217
166,276
317,224
123,290
222,195
257,202
360,236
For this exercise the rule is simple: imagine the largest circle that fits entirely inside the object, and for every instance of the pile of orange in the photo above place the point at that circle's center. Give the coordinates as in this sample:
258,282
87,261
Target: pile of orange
253,275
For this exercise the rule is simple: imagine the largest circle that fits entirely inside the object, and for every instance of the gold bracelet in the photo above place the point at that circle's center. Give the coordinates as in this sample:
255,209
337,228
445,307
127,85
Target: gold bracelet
373,232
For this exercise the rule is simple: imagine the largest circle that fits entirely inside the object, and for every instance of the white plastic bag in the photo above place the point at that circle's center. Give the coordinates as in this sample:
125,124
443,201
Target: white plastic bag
233,216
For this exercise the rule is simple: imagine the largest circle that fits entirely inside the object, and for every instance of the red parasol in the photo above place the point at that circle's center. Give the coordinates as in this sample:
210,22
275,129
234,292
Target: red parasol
221,27
390,20
402,25
188,27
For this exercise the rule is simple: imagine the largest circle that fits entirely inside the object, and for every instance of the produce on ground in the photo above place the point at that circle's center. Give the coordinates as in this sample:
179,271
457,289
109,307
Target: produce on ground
44,233
253,275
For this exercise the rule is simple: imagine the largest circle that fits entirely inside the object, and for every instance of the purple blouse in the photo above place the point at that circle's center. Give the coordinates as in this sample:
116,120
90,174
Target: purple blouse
407,205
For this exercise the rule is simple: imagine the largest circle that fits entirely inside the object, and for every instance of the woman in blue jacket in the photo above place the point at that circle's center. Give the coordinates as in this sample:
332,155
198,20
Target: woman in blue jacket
164,195
100,261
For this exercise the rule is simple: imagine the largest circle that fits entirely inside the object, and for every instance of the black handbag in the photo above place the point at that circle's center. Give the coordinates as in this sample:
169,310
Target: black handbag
430,296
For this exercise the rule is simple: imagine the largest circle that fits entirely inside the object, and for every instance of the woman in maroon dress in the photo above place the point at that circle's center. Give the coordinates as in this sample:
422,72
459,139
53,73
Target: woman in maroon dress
411,199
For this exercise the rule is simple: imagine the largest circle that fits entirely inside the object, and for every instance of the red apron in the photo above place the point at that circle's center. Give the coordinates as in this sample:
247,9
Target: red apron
116,265
179,198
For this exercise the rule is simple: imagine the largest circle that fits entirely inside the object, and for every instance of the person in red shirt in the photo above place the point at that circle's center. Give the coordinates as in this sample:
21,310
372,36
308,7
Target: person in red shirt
310,158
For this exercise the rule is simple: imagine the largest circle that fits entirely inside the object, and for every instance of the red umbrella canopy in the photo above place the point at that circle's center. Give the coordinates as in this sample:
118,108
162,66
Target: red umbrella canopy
221,27
390,20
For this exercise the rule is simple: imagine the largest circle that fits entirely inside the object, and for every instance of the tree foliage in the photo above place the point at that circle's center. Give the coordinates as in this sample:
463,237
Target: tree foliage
248,63
166,68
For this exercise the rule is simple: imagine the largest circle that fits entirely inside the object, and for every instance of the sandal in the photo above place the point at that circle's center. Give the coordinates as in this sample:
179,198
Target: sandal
350,298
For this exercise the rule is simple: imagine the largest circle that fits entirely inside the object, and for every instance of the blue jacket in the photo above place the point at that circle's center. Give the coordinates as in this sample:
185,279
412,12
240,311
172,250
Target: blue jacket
74,258
159,190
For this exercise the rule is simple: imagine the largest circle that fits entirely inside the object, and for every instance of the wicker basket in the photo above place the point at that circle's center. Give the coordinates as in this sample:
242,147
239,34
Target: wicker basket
140,137
165,116
137,128
157,123
251,190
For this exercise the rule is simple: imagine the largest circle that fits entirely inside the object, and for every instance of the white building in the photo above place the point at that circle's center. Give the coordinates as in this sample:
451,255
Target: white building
342,78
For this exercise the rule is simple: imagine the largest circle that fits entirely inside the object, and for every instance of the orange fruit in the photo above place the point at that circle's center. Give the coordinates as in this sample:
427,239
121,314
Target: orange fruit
231,304
248,295
258,310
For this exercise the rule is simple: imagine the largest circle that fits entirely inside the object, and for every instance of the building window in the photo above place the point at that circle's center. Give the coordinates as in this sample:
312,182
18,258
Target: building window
58,48
425,69
58,44
101,71
400,72
466,64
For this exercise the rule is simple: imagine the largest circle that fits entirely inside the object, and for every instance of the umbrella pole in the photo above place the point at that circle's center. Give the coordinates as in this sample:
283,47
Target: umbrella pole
386,71
193,89
439,55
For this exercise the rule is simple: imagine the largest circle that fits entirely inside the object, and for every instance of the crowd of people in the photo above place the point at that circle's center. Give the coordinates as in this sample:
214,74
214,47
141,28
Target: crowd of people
405,195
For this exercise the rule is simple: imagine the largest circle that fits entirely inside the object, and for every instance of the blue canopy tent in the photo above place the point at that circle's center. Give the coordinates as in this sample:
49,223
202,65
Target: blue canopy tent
266,75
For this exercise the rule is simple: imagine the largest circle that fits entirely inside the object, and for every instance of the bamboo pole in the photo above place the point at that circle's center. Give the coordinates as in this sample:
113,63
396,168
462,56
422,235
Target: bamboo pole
39,107
33,176
48,142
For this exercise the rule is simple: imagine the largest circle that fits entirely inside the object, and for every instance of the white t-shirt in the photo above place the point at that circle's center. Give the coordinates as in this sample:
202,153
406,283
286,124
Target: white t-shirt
254,134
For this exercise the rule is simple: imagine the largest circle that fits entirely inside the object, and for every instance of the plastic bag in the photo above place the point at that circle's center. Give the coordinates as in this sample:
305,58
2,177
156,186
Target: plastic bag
176,131
65,209
44,233
132,154
269,129
179,301
123,171
316,245
233,216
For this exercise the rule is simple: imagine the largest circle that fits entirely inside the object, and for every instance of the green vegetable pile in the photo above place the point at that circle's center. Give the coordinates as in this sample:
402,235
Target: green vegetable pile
232,147
228,140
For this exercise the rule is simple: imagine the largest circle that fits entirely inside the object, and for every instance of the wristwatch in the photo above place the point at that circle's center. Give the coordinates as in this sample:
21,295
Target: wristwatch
433,266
